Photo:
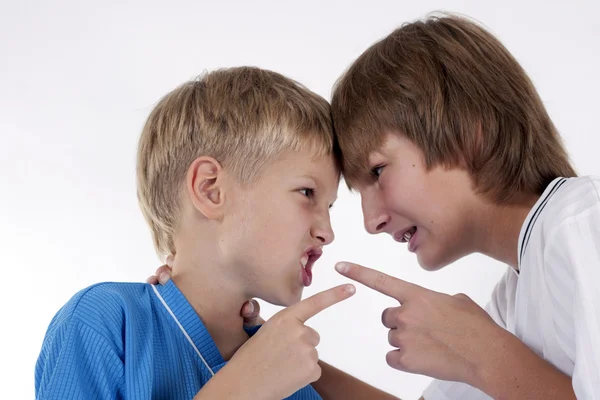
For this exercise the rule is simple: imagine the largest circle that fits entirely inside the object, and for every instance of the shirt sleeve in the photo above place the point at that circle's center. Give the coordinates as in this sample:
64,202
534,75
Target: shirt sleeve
573,279
78,362
446,390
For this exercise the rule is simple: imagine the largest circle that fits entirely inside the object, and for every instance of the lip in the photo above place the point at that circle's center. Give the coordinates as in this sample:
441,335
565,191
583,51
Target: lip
313,253
399,235
412,244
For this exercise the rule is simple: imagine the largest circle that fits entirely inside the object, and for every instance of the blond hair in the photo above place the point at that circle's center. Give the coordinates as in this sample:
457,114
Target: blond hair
243,117
456,92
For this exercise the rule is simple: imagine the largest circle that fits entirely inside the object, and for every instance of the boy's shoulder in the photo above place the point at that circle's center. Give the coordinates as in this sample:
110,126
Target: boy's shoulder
104,306
572,198
83,352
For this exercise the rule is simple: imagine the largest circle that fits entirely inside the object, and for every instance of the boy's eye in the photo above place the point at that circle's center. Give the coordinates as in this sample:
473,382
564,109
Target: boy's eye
376,172
308,192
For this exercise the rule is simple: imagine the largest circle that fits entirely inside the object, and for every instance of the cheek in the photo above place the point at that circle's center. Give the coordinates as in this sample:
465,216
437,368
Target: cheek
407,203
395,199
405,192
275,234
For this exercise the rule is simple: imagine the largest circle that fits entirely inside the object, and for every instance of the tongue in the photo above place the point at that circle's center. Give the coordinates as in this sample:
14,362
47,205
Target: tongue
306,277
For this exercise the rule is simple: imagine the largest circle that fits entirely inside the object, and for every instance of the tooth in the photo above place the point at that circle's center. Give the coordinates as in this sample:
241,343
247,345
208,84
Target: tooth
407,236
304,261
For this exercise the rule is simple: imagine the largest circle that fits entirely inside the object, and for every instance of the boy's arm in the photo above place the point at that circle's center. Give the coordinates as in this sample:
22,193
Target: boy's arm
221,386
511,370
335,384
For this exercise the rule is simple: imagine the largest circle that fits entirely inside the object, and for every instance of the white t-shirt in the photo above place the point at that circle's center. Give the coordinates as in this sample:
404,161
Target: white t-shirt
553,303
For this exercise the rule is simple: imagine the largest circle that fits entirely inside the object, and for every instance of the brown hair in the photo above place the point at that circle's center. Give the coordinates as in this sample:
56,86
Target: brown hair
455,91
243,117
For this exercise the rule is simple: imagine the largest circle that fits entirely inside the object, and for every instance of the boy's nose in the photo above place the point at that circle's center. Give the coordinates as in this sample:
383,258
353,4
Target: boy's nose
376,224
323,232
375,219
326,238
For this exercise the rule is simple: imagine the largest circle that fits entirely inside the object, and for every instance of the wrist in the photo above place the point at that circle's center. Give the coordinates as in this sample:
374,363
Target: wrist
228,383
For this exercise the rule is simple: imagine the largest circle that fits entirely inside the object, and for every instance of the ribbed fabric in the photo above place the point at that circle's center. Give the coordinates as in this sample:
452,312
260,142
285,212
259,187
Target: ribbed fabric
553,303
117,341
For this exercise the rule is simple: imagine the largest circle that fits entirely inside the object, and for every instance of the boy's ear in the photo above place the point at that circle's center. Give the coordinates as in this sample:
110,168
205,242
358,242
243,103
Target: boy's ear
204,186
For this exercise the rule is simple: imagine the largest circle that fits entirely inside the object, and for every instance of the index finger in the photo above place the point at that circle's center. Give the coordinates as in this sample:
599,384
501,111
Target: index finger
376,280
313,305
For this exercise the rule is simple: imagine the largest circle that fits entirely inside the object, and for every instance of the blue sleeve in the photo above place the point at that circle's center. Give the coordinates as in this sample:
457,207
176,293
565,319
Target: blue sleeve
78,361
251,330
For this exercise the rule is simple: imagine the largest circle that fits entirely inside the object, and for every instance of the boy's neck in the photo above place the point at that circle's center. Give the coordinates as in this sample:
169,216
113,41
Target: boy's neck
215,298
502,227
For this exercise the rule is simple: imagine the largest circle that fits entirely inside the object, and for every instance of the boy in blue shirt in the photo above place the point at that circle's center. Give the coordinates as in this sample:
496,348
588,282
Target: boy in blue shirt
236,174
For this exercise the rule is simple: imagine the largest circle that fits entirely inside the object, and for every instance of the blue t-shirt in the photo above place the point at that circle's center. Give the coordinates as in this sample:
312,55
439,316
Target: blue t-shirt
119,341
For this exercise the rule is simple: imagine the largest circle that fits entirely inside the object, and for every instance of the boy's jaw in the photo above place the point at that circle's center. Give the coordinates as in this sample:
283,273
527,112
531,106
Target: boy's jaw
286,292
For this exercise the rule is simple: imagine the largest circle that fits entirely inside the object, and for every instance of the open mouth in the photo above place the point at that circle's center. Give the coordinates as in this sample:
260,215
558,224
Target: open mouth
408,235
307,261
405,235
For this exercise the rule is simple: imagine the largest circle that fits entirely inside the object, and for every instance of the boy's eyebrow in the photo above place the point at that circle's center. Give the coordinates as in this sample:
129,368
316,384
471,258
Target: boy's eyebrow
381,153
317,182
312,178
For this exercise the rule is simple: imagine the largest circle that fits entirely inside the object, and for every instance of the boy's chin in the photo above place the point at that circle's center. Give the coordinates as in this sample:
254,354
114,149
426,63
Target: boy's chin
284,299
436,260
431,262
292,299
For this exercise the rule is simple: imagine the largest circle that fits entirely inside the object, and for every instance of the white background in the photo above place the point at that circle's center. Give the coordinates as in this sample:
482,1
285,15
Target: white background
78,79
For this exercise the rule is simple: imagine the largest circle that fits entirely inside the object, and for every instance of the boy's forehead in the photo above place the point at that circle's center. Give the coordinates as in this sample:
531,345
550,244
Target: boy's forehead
389,147
322,169
300,162
389,142
306,159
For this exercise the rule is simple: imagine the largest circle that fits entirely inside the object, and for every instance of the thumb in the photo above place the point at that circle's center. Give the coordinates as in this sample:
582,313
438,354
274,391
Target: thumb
251,313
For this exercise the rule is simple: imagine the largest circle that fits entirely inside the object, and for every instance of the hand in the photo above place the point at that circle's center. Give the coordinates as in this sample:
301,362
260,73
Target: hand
163,273
285,349
250,310
434,334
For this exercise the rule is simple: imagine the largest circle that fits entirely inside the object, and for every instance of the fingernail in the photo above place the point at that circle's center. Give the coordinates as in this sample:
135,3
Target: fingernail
250,308
164,278
350,289
342,267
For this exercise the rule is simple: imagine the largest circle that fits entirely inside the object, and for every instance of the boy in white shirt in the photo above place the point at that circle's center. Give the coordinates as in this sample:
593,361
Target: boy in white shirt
452,151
